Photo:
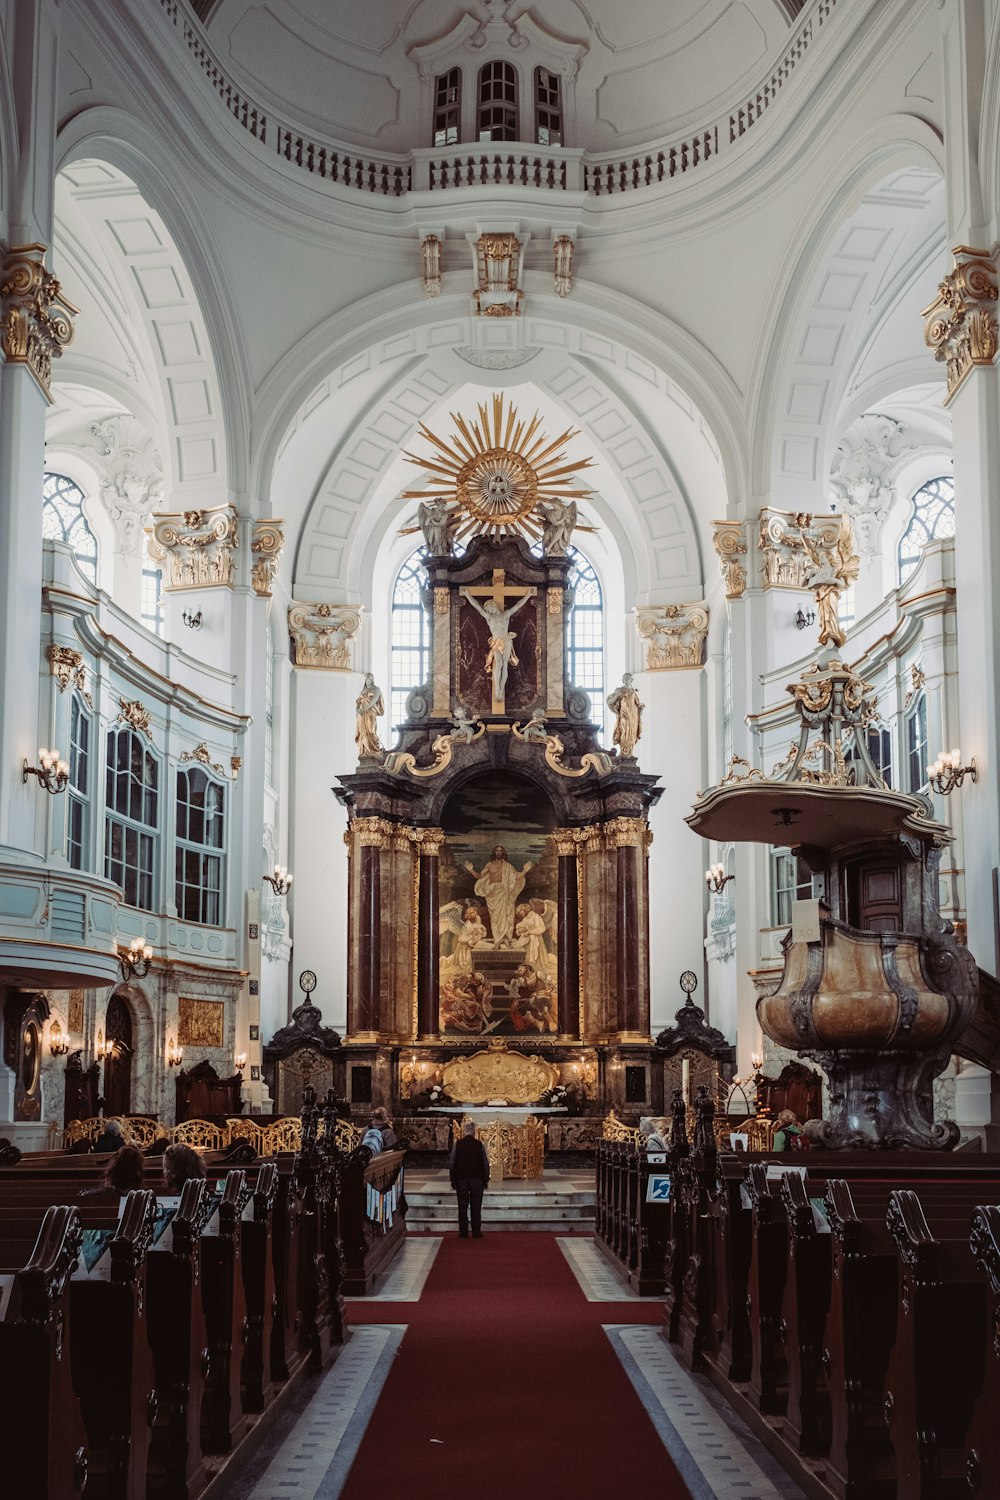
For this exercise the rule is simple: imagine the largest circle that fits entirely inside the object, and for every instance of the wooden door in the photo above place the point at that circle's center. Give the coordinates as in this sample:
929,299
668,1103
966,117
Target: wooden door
874,896
118,1064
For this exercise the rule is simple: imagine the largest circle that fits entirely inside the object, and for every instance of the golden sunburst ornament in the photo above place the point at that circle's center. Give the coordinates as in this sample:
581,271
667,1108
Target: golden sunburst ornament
493,475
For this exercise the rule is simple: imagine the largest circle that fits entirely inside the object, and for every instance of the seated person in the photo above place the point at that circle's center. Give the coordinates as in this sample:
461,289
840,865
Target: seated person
382,1123
110,1138
372,1138
787,1129
123,1173
654,1133
180,1163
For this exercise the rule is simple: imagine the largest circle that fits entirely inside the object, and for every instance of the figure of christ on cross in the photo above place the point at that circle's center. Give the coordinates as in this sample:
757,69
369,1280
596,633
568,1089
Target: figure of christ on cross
501,652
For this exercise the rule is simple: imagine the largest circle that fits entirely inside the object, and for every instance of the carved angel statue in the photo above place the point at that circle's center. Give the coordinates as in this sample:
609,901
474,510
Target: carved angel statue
463,729
435,521
560,519
624,704
536,920
369,707
535,728
832,572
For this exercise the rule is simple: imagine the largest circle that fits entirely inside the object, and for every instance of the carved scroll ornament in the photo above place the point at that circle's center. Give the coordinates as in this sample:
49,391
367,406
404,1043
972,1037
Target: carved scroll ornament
961,324
198,546
36,320
730,544
322,634
790,542
674,635
266,547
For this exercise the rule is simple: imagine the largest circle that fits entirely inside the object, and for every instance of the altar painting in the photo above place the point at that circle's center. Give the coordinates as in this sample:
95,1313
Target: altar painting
498,923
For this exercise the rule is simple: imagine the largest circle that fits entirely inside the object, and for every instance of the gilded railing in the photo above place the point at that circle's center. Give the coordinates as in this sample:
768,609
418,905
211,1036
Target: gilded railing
267,1138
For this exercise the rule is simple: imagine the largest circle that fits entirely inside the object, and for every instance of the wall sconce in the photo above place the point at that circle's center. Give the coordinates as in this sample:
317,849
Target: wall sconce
804,618
947,772
175,1055
716,878
280,880
193,622
57,1046
52,772
135,959
241,1061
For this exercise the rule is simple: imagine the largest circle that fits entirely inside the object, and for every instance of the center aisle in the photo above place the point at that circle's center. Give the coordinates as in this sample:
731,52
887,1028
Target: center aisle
506,1364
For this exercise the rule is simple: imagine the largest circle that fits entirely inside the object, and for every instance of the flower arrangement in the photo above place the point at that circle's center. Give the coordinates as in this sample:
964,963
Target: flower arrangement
555,1097
437,1093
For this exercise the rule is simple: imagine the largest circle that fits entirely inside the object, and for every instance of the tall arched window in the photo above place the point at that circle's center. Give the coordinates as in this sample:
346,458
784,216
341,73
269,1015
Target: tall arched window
548,108
496,108
132,820
410,637
201,841
585,634
63,520
447,107
932,516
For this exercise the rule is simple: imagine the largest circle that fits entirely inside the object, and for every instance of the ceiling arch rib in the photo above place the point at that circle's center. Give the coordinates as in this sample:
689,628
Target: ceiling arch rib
672,373
640,494
136,153
848,316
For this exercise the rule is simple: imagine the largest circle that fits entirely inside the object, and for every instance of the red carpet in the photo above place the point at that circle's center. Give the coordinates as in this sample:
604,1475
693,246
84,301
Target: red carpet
506,1363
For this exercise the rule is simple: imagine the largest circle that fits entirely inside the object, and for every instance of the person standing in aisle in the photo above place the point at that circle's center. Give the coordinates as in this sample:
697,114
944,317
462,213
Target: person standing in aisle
469,1169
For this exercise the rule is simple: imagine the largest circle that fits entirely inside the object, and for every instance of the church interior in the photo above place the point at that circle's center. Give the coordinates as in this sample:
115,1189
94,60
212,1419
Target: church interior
499,688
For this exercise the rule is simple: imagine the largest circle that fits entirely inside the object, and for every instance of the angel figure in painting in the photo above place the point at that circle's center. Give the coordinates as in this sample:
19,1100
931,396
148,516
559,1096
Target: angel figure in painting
466,928
534,920
369,707
500,657
624,704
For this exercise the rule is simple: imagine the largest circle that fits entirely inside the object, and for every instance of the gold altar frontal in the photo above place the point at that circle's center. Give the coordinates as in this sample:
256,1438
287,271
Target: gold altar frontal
513,1149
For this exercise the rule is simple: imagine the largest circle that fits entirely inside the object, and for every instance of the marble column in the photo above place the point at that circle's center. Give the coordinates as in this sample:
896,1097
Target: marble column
429,841
368,1008
568,942
626,836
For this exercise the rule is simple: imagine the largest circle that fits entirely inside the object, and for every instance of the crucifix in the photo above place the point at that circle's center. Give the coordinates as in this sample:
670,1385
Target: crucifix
501,652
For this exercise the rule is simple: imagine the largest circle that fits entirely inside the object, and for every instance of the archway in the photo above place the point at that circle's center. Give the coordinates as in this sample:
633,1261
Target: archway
118,1042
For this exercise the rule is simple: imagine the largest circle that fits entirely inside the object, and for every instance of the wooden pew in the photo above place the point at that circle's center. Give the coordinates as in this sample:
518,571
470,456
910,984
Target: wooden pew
369,1246
256,1377
982,1460
112,1361
42,1436
223,1422
805,1308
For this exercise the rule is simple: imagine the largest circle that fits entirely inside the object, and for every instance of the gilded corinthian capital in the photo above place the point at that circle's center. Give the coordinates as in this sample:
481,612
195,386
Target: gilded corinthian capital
322,634
36,320
674,635
730,544
198,546
265,548
961,324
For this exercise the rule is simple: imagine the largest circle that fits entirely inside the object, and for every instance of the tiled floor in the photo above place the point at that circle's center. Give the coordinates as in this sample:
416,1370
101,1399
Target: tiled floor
598,1281
717,1456
405,1278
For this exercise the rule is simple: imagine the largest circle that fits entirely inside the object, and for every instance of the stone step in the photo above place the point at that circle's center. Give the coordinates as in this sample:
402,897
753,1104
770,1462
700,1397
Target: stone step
540,1201
503,1226
422,1216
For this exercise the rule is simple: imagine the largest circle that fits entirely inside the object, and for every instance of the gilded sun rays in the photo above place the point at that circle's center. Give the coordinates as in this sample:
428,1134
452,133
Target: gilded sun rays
492,474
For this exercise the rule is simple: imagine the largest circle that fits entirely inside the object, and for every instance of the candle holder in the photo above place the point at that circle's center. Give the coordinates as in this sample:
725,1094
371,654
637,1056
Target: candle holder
280,881
135,959
947,772
52,772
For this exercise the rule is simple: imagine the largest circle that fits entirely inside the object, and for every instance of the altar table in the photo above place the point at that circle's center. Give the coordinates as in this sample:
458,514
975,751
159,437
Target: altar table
514,1136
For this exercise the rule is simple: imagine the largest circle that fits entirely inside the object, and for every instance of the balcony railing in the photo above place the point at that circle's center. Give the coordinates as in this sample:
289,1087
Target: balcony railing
510,164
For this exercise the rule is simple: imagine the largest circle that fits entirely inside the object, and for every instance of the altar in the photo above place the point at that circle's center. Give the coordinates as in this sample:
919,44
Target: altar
514,1137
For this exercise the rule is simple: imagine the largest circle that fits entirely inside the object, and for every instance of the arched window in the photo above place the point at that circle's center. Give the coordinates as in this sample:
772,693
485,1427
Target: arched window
548,108
447,107
496,114
78,802
915,741
932,516
63,520
201,840
132,820
585,633
410,637
151,599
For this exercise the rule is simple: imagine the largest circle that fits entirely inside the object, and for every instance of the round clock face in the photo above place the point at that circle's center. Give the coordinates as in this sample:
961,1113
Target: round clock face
689,981
307,981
